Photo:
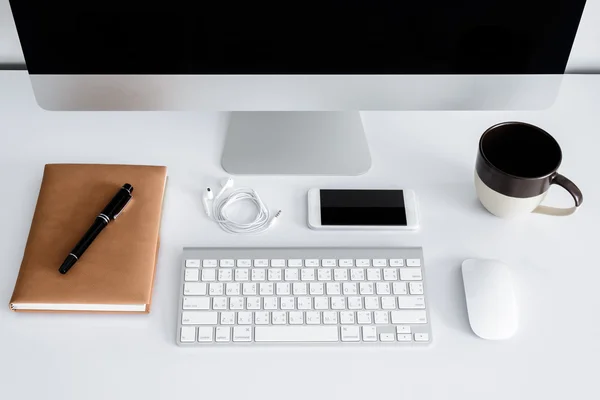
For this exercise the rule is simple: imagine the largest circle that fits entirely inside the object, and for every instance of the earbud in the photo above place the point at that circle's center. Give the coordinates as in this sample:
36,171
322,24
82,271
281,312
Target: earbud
208,196
225,185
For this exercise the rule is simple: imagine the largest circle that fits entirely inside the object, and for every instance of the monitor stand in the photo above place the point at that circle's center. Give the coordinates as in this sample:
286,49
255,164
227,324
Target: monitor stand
296,143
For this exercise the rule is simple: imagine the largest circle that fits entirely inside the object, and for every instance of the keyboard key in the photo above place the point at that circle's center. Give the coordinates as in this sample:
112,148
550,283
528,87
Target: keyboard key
227,263
253,303
350,333
387,337
400,287
294,263
334,288
283,289
373,274
366,288
261,318
381,317
223,334
242,334
329,263
219,303
317,288
279,318
215,289
346,263
270,303
266,289
198,318
409,317
330,317
299,288
274,274
338,303
244,318
411,274
404,337
194,289
192,263
396,262
413,262
324,274
244,263
227,318
388,303
340,274
311,263
390,274
347,317
232,289
371,303
408,302
225,275
278,263
363,263
379,263
350,288
354,303
296,334
383,288
196,303
259,274
236,303
369,333
261,263
321,303
209,275
402,329
304,303
415,288
249,289
296,317
288,303
421,337
205,334
357,274
313,318
291,274
364,317
188,334
209,263
308,274
241,274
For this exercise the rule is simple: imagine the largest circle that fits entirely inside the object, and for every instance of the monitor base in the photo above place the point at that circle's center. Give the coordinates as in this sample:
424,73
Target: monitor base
296,143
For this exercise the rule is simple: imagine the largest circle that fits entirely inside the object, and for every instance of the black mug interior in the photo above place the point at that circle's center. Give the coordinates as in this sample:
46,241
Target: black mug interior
521,150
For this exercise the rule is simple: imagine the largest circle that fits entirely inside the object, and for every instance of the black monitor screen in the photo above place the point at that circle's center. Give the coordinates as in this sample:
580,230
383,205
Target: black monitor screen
298,37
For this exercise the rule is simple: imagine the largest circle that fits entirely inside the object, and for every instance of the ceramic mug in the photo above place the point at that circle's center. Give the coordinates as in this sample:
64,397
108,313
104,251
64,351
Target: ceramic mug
516,165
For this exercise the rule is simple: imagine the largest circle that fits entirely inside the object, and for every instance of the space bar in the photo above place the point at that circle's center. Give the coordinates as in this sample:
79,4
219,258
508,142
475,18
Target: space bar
296,334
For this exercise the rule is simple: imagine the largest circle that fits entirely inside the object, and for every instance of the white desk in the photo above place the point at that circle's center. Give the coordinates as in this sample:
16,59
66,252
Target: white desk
554,354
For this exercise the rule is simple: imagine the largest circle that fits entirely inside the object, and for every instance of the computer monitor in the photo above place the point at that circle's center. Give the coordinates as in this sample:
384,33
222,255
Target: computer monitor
297,73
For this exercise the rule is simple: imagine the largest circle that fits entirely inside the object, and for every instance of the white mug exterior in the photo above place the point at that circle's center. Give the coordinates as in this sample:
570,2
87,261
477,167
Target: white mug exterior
505,206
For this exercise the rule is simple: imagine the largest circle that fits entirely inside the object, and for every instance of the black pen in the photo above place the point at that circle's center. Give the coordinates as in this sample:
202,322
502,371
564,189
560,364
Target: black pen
110,212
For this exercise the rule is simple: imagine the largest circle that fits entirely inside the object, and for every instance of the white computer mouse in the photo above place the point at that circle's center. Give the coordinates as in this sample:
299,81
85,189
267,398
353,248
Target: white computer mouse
491,301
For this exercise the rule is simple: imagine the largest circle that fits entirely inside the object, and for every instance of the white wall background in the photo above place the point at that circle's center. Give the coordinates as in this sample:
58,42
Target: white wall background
585,56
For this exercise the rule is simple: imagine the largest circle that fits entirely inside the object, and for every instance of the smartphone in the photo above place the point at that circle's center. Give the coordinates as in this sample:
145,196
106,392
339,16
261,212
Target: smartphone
362,209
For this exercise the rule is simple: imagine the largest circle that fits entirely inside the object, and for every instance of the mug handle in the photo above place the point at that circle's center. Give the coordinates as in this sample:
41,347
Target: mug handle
570,187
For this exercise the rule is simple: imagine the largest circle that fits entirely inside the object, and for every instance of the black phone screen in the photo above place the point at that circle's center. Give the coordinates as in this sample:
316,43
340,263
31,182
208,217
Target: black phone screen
363,207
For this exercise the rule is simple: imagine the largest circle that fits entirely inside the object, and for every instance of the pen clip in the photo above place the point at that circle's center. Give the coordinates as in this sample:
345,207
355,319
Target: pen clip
123,208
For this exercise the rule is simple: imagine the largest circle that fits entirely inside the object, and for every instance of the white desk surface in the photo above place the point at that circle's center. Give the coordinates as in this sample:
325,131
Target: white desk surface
555,263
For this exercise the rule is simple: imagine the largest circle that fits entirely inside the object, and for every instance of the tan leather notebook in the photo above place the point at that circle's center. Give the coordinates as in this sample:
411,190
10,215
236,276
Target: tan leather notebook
116,273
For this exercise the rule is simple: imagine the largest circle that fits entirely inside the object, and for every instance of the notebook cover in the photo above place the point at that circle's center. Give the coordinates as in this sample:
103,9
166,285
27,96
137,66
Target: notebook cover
119,266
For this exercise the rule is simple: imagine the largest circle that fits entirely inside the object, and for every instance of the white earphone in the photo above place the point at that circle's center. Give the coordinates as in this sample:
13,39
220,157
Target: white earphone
261,223
208,197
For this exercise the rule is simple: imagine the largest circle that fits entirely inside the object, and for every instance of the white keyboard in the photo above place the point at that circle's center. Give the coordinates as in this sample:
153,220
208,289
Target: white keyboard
303,295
